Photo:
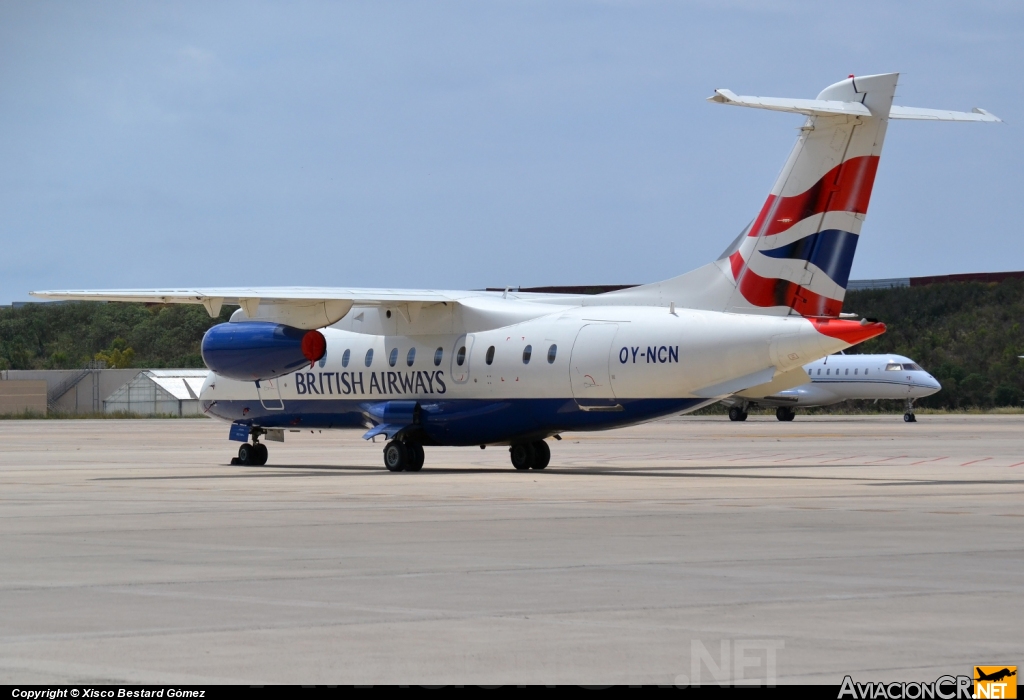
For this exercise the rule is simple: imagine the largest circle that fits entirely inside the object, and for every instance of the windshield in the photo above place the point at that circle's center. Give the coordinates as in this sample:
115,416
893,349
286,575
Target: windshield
912,366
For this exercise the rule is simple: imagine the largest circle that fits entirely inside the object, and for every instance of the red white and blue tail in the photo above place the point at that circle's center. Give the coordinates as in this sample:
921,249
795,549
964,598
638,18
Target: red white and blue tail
796,255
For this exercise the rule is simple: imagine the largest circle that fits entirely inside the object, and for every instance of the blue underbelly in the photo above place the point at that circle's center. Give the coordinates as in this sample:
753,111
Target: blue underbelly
459,421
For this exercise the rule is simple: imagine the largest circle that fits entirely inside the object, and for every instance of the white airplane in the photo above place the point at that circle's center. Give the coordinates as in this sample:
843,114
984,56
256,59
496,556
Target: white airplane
428,367
839,378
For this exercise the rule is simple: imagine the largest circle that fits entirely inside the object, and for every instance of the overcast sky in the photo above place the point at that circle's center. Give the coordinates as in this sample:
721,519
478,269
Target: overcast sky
473,144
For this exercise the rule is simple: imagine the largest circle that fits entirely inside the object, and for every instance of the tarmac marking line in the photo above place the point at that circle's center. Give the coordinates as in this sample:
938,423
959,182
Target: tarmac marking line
975,461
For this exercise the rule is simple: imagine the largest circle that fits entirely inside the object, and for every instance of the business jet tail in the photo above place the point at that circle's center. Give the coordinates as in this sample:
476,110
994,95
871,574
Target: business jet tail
795,256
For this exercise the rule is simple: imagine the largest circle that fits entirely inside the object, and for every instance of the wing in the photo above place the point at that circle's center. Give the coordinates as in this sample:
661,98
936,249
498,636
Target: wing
301,307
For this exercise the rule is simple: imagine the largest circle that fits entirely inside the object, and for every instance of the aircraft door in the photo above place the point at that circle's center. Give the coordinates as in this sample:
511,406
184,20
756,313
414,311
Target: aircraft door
461,352
589,372
270,394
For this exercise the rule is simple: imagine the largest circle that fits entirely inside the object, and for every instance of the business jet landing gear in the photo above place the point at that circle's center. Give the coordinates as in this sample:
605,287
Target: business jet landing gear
401,456
785,413
738,413
909,416
530,455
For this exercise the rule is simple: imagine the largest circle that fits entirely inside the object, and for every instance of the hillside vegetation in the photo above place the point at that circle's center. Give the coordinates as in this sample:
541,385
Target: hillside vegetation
66,336
966,334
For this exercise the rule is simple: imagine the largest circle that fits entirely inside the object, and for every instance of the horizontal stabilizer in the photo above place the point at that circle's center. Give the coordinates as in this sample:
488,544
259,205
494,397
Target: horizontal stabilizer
827,108
783,104
942,115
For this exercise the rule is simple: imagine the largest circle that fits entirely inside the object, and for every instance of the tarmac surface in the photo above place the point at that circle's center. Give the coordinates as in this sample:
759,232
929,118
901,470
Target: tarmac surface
133,552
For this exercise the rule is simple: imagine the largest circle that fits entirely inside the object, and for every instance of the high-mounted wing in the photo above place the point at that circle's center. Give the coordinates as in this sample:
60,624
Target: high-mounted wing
300,307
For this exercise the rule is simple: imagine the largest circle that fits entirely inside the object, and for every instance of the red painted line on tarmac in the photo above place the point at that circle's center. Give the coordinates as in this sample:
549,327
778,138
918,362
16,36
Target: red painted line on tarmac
756,457
887,459
840,459
937,459
1016,465
801,457
975,461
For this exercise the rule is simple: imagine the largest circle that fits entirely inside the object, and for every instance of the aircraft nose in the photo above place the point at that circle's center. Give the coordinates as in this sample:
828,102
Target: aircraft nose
932,382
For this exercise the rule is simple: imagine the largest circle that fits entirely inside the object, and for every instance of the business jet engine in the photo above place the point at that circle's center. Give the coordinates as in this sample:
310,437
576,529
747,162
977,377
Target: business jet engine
253,350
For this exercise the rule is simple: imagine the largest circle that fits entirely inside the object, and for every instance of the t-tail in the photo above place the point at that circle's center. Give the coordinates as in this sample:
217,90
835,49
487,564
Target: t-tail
795,256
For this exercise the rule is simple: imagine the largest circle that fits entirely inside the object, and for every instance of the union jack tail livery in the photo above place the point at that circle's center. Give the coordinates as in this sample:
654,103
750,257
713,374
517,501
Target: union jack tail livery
795,256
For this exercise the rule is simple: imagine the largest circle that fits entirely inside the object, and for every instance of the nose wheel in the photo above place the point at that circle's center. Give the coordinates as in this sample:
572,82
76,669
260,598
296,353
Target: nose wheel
909,416
254,455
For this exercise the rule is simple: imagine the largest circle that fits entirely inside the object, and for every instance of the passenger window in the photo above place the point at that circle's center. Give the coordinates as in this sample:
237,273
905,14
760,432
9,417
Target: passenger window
438,355
893,367
855,371
846,372
345,358
866,371
810,372
411,357
489,358
393,357
460,356
552,352
828,371
527,351
819,371
369,357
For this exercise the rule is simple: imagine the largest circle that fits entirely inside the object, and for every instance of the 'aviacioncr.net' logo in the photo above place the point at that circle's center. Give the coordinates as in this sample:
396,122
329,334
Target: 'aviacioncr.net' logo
995,682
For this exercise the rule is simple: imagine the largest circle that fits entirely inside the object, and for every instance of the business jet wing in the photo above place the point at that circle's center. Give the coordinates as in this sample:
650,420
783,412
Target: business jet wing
301,307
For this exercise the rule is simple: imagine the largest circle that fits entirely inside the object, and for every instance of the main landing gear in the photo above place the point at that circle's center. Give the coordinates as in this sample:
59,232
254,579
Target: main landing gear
403,456
909,416
738,413
785,413
530,455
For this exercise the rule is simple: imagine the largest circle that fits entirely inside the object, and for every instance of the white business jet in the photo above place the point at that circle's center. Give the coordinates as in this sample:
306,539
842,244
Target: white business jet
838,378
428,367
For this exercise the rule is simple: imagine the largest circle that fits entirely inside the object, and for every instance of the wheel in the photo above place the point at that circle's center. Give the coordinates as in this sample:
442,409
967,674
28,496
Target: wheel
247,454
415,457
261,454
522,454
909,417
785,413
541,454
396,457
737,413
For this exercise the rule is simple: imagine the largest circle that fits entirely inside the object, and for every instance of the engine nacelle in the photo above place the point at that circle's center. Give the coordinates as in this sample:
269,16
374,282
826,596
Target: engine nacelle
249,351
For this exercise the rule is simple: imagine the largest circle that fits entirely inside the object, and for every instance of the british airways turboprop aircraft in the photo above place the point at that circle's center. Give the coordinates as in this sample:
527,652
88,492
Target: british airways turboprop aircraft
838,378
426,367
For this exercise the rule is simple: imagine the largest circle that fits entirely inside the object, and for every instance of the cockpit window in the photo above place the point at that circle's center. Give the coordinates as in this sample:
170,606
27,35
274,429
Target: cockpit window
912,366
893,367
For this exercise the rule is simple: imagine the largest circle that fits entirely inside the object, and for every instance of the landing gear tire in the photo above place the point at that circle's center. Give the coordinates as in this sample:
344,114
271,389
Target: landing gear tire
909,417
737,414
541,455
247,455
416,457
396,456
262,453
785,413
523,455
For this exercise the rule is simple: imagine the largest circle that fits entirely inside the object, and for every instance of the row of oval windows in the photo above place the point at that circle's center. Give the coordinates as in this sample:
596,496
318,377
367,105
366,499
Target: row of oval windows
460,356
891,367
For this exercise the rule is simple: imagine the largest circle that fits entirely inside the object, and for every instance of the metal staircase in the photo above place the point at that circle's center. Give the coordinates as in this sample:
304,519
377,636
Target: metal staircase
71,382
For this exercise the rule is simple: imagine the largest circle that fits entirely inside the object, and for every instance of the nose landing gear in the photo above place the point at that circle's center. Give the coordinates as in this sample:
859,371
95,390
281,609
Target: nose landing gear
909,416
254,455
